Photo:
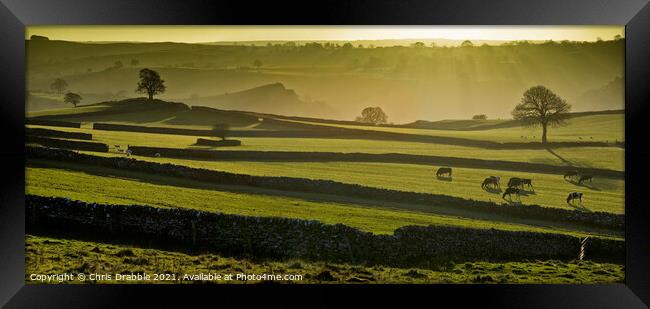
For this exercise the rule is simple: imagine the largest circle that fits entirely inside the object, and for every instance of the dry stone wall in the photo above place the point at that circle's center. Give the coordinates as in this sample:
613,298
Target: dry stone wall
286,238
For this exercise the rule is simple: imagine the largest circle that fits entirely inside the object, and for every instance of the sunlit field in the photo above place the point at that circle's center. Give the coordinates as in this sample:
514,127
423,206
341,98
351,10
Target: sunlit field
98,185
594,157
595,128
339,153
549,190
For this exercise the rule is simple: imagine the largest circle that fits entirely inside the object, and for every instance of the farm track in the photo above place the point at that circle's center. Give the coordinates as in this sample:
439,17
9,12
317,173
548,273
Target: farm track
323,197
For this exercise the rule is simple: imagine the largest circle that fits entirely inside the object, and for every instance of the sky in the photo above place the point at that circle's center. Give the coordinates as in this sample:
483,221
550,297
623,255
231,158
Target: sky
198,34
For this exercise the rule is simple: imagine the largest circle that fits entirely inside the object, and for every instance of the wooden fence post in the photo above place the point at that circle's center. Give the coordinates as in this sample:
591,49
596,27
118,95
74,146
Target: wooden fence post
583,244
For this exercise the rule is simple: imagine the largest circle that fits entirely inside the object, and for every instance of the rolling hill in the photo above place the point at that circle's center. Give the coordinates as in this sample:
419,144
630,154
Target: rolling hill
408,83
595,126
272,98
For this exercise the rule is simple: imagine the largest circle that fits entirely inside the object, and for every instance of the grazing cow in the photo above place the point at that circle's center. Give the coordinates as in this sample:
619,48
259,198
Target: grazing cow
573,196
584,178
444,171
157,155
514,182
509,192
490,181
570,174
527,182
497,180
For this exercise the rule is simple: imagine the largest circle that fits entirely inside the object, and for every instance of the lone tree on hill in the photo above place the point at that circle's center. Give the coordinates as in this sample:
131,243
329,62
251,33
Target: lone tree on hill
150,83
540,106
59,85
72,98
221,130
480,117
373,115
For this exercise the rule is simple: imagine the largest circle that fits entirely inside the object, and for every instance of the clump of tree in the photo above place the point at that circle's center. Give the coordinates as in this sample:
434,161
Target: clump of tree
150,83
541,107
480,117
72,98
135,62
466,43
257,63
418,45
221,130
59,85
373,115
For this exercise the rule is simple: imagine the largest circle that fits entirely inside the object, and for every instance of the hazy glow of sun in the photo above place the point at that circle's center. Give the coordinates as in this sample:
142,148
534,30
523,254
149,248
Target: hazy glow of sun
194,34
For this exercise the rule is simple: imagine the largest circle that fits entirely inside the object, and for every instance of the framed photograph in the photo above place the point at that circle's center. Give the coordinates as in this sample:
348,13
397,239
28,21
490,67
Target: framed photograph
301,155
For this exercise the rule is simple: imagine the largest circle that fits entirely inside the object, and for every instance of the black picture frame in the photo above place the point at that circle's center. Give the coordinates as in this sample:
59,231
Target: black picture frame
634,14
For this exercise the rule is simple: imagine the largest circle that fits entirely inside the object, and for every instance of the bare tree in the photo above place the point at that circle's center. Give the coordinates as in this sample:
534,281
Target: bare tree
540,106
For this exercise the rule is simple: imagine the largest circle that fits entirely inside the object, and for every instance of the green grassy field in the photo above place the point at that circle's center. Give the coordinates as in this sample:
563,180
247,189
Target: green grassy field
597,128
43,256
594,157
404,81
333,82
101,185
550,190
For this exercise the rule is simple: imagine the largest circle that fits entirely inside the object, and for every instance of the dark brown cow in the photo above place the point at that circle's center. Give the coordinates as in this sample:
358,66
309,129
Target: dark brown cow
510,191
444,171
490,181
514,182
570,174
584,178
573,196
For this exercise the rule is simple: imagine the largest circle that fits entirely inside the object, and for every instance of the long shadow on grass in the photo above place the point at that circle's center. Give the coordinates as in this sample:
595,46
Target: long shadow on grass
492,190
579,206
310,197
565,161
584,185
